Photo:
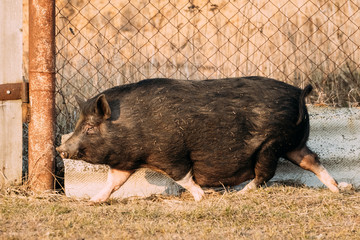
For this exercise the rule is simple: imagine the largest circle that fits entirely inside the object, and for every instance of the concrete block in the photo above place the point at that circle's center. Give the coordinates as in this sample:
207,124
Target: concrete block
84,180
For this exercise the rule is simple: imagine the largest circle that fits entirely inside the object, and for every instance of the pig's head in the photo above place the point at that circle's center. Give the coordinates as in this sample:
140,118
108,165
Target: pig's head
88,140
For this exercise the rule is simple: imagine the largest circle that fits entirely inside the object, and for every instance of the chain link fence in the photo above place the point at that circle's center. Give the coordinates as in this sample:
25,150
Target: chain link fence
103,43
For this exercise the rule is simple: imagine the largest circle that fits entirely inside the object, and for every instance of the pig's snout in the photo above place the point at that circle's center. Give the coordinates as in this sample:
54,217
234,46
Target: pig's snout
63,153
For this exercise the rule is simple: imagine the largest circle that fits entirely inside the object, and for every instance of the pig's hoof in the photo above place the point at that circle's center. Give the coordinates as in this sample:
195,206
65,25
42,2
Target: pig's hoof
198,194
97,200
250,186
343,186
243,191
90,203
96,203
334,188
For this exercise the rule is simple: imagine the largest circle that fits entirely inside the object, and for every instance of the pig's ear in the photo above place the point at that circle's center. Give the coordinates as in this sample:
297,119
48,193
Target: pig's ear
102,107
80,101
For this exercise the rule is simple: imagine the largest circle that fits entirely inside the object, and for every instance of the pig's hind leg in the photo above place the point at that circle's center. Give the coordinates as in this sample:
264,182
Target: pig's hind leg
116,178
308,160
264,169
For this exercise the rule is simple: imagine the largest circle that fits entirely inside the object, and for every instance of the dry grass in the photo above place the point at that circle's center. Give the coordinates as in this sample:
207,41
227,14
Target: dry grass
277,212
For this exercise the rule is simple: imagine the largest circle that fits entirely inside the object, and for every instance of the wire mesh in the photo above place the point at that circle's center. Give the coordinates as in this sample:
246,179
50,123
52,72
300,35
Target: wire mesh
103,43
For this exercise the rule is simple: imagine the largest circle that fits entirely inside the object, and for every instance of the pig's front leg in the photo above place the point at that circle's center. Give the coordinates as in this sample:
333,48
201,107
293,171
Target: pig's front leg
116,178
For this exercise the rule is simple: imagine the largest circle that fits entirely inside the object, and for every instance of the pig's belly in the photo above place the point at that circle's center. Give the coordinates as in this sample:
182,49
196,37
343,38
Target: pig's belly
216,179
221,169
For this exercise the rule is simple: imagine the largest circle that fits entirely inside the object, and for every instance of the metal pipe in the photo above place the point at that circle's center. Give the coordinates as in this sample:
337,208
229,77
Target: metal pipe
41,93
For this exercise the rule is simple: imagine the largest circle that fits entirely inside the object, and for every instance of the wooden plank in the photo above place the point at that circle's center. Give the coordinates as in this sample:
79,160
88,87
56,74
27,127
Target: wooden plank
10,142
10,72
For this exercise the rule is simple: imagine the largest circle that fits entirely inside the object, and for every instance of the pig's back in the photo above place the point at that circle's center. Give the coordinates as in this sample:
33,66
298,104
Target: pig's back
216,124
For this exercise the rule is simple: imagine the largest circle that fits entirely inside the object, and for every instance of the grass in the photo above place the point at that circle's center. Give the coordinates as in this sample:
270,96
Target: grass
277,212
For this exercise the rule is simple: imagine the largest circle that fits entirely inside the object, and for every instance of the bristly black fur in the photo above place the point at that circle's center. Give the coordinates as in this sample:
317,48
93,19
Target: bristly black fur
225,131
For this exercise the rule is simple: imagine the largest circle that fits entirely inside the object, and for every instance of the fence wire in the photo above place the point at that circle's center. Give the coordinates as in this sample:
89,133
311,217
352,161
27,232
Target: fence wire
103,43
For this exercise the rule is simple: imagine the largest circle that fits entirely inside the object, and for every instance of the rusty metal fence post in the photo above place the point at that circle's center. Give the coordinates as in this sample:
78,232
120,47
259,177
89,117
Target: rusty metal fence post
41,91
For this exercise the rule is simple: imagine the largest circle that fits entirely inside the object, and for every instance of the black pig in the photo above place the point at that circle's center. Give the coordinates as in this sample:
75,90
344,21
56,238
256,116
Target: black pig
200,133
